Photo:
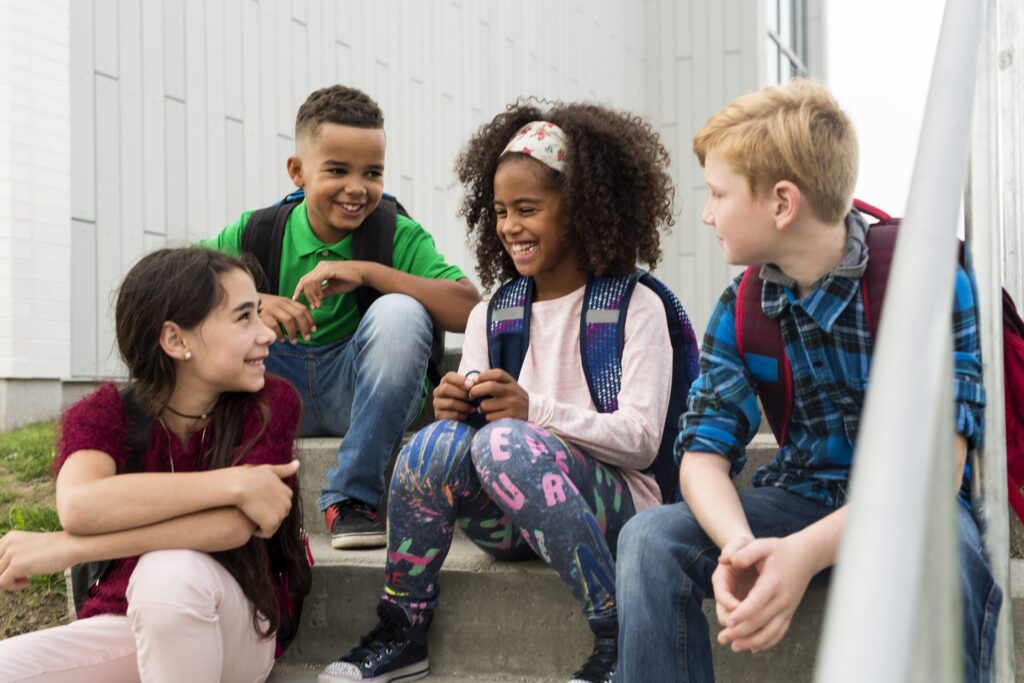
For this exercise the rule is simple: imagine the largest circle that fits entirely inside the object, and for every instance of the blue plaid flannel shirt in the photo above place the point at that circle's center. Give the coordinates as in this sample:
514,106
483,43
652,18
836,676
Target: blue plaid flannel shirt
829,347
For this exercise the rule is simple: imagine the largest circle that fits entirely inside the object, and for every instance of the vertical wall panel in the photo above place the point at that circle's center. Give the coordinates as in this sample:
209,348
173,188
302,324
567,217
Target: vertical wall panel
217,167
153,136
196,72
284,38
106,37
84,313
176,191
174,48
253,100
109,264
234,188
235,30
131,117
83,134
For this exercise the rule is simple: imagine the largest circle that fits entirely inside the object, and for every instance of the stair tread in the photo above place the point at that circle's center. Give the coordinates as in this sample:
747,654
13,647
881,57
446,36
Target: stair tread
463,556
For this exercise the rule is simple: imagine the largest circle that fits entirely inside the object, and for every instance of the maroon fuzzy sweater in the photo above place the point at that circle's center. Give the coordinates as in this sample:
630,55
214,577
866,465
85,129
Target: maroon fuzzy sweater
97,423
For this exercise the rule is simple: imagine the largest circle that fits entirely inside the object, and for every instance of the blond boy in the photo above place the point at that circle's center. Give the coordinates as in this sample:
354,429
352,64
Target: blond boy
780,166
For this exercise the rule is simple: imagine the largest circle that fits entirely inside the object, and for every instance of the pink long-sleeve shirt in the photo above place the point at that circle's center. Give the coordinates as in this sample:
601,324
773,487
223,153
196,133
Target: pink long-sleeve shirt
552,375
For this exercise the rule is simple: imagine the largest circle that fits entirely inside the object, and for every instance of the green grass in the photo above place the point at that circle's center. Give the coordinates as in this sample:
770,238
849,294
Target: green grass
26,459
28,452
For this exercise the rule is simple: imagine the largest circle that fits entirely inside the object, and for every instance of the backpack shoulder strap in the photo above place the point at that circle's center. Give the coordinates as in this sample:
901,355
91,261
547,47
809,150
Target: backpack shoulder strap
602,336
375,241
881,241
263,236
760,345
508,325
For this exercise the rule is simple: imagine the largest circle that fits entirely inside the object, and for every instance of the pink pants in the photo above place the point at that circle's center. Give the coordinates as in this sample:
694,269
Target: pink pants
188,620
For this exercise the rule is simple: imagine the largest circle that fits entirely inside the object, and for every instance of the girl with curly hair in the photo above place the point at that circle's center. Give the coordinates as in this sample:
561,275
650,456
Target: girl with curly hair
184,480
528,467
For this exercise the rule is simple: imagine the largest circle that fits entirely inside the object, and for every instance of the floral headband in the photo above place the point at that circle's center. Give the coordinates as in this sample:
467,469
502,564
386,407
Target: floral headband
540,140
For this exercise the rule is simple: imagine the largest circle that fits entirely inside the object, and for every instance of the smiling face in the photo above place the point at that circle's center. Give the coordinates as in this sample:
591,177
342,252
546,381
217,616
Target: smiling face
341,170
228,347
529,225
743,221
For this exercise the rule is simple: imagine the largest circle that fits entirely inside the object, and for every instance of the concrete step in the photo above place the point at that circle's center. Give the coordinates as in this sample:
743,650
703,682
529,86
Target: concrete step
517,622
301,673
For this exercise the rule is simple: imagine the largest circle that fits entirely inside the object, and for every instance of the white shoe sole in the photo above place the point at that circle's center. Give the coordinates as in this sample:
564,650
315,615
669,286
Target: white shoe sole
413,672
369,539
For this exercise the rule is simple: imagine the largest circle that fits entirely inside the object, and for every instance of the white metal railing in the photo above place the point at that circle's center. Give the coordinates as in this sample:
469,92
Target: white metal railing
986,220
894,607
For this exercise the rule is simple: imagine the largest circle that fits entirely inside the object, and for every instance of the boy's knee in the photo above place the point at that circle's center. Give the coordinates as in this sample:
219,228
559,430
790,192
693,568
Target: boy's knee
654,537
398,314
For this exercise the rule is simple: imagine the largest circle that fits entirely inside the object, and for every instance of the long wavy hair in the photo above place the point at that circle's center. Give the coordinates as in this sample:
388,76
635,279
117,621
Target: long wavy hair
184,286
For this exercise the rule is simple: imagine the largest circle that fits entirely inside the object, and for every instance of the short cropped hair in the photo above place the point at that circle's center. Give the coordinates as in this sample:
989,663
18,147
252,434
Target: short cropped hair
795,132
340,105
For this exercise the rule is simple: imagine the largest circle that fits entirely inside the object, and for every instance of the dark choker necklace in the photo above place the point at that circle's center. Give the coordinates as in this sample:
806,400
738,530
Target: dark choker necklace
204,416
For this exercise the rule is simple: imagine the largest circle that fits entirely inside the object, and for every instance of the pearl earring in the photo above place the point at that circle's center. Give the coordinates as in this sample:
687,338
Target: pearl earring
188,355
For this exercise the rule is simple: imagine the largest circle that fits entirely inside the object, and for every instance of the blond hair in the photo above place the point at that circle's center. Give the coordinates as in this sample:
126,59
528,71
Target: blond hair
796,132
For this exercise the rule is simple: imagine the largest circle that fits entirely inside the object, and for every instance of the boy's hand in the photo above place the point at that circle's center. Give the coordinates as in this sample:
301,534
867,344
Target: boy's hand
26,553
329,278
501,396
762,583
279,312
451,398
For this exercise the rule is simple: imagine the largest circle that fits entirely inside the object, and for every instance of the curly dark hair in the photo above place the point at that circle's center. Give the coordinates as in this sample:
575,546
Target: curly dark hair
337,104
616,189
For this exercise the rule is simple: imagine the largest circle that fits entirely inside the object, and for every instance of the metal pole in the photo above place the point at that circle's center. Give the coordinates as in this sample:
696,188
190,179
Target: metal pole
1010,64
994,146
904,458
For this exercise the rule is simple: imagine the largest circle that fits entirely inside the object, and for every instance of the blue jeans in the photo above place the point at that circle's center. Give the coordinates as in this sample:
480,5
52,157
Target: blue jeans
367,388
665,637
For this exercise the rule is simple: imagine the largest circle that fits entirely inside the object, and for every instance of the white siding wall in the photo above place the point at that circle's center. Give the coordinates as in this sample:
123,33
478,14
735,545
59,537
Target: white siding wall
184,109
703,54
35,231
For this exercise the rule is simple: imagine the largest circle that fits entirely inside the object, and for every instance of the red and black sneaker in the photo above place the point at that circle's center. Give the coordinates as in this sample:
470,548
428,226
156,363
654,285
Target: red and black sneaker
354,524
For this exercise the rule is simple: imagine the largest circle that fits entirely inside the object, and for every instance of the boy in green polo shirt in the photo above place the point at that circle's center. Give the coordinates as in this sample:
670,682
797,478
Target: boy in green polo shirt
360,376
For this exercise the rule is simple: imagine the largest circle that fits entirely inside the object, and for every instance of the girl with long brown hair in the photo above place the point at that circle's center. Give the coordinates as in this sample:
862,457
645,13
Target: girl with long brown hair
184,478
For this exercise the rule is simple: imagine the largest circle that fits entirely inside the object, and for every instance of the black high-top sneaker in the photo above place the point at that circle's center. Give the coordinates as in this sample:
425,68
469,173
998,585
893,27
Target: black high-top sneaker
600,665
394,650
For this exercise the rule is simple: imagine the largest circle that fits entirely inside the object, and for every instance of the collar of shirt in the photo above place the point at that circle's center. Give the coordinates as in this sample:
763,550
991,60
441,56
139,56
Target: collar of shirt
306,243
829,295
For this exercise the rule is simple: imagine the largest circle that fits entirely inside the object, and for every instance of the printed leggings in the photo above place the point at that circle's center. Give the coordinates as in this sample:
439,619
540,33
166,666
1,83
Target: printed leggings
517,491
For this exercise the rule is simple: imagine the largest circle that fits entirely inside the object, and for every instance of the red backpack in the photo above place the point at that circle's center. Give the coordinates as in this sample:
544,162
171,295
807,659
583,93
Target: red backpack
758,334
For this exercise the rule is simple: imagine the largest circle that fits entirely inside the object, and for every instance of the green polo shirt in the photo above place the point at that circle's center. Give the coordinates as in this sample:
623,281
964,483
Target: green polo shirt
414,253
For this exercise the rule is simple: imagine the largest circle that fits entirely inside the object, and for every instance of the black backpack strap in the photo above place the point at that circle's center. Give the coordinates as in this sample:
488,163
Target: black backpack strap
508,325
375,241
136,437
263,236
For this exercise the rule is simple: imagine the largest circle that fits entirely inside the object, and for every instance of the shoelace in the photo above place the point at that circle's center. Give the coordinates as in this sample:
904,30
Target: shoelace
601,662
380,640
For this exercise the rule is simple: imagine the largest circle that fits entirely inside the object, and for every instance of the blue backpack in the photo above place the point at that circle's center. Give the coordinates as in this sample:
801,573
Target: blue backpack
602,336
